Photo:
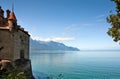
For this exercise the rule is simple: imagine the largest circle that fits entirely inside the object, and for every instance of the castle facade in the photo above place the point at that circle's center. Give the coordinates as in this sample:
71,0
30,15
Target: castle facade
14,40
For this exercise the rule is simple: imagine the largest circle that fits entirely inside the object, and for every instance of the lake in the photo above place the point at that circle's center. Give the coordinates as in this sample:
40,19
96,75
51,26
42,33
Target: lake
77,64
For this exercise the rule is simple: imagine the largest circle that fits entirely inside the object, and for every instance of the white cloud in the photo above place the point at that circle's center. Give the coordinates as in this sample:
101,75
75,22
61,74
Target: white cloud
86,24
62,39
69,28
56,39
100,16
75,27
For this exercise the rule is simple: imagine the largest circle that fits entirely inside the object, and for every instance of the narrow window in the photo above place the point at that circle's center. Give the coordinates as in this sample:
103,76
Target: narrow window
22,54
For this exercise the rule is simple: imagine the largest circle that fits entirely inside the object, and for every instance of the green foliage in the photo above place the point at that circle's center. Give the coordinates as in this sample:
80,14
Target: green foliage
114,20
12,75
117,5
15,75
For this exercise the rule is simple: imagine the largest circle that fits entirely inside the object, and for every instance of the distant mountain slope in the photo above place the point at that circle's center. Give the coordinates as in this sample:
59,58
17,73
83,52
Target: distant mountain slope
41,45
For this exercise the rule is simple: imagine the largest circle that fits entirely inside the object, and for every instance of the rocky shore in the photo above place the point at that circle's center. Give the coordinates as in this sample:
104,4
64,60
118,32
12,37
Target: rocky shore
17,66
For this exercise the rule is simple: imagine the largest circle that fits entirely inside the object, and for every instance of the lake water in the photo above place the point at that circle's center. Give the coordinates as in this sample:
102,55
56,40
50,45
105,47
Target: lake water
77,64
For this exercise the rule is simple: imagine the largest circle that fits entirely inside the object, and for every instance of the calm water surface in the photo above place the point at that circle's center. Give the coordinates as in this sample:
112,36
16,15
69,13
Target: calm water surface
77,64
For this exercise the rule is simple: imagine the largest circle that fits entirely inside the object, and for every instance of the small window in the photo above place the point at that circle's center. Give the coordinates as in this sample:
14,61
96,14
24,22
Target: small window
22,54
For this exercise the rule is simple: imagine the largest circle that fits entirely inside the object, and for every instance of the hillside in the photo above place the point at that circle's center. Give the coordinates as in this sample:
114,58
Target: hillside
42,45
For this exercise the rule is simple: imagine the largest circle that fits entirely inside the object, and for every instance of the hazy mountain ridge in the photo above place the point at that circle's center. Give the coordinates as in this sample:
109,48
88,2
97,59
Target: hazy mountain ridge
42,45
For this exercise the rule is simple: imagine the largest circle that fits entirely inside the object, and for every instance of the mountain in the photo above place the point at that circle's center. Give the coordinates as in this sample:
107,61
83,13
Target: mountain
42,45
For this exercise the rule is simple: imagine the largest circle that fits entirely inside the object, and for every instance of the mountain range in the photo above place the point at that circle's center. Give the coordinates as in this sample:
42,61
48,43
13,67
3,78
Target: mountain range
51,45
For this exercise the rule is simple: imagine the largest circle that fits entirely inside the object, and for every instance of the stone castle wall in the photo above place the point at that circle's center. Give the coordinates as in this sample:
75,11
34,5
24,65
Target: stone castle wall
21,45
6,44
14,45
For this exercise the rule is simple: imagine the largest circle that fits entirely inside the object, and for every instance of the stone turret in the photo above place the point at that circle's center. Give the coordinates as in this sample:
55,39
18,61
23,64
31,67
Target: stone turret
8,13
1,16
1,12
12,21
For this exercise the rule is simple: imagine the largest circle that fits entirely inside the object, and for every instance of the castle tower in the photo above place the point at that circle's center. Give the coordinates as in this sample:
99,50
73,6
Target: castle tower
14,40
12,21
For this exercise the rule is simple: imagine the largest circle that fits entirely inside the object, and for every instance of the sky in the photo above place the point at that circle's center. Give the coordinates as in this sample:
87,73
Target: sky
77,23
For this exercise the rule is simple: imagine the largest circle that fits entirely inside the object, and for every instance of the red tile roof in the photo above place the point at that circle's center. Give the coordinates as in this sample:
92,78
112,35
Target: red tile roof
12,16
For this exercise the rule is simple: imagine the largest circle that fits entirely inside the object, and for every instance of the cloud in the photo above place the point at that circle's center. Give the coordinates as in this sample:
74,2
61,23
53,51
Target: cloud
62,39
75,27
68,34
100,18
86,24
69,28
56,39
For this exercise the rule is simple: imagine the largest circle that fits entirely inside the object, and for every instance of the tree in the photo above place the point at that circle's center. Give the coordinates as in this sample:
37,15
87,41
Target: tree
114,20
